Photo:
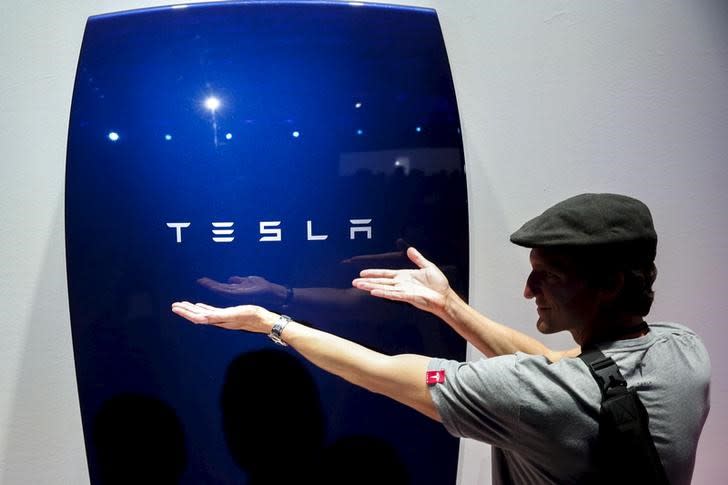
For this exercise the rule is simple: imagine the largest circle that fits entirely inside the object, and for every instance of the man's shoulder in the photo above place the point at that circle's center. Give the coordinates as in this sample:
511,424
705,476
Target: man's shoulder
671,328
666,344
679,338
566,374
665,334
660,333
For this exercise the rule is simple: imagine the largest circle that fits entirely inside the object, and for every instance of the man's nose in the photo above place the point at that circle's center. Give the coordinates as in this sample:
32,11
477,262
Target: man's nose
532,287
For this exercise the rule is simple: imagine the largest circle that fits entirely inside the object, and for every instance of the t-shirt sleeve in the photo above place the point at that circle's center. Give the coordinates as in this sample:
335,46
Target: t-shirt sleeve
480,399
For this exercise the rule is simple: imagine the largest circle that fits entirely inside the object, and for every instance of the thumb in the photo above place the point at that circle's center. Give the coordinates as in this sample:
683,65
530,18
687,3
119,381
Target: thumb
416,257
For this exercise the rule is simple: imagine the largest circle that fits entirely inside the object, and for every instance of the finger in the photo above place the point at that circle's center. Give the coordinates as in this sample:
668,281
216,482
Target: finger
371,288
187,306
205,280
206,306
391,294
369,283
218,287
416,257
192,316
378,273
236,279
211,284
362,283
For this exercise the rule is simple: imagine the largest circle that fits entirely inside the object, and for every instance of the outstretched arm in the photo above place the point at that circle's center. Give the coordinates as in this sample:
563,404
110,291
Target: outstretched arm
400,377
427,288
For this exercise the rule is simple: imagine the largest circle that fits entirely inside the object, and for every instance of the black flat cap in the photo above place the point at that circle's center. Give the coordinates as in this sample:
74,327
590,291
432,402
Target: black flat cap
590,220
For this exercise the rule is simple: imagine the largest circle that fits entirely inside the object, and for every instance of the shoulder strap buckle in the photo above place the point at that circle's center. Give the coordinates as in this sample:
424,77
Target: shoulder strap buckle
605,371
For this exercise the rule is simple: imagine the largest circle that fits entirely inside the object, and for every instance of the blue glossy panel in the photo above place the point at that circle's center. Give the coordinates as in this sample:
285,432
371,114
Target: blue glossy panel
185,120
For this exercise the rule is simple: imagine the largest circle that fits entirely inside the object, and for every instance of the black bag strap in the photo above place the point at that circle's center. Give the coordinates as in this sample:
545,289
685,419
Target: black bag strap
627,451
604,370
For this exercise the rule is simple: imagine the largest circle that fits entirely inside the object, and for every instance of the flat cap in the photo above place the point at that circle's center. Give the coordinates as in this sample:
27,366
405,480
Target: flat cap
590,220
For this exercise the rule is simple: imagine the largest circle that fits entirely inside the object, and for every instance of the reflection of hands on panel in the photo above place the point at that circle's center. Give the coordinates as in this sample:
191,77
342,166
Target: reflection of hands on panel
324,305
240,288
393,258
426,288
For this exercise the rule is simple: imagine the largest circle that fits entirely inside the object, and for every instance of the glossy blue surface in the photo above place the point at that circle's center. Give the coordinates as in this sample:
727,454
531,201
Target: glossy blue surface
189,128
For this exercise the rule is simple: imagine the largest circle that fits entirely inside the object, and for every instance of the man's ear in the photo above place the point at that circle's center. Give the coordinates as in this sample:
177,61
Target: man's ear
612,287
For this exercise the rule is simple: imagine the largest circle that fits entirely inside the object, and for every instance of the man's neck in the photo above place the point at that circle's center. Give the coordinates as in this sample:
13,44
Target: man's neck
619,328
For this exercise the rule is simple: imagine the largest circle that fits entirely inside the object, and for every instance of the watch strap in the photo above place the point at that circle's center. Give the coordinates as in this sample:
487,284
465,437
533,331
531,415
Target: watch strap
277,330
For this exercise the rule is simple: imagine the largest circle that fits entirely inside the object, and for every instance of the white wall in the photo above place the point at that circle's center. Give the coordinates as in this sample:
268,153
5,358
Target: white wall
557,97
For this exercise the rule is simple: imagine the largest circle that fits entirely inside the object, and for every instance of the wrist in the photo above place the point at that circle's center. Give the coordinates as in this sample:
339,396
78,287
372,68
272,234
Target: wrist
449,305
280,293
266,320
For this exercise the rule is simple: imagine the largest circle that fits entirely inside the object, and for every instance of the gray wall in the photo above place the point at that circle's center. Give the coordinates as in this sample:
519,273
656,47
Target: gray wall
557,97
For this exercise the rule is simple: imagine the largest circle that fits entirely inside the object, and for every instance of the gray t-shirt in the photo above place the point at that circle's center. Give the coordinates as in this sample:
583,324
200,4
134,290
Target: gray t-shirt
541,417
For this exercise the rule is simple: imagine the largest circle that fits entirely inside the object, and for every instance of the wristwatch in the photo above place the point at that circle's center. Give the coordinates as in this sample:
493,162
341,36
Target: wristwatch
275,332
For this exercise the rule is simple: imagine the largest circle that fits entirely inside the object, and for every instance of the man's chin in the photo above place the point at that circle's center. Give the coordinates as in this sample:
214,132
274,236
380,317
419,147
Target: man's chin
544,327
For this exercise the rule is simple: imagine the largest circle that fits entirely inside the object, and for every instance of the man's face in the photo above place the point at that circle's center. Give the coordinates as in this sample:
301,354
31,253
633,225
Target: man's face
564,301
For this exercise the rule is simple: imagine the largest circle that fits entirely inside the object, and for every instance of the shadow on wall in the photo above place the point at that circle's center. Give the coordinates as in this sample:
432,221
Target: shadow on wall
43,435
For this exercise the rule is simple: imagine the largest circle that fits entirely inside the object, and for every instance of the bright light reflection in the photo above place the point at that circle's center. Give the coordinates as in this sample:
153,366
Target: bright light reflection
358,105
167,137
360,132
228,136
212,103
296,134
113,136
418,129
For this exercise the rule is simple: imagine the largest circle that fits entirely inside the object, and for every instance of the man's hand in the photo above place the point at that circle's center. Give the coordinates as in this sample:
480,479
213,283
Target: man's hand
250,318
426,288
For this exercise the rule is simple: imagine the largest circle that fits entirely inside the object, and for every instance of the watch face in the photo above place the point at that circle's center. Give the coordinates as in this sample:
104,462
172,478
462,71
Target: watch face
277,330
225,153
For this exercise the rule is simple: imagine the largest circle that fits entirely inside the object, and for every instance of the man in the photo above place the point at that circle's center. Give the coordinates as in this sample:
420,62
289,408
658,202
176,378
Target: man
593,267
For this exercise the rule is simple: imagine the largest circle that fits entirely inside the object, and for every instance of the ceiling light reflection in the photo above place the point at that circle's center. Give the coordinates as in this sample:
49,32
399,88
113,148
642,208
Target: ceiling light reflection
212,103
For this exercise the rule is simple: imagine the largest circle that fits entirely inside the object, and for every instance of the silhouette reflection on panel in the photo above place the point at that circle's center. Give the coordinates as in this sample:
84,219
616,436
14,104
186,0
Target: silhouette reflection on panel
139,440
275,428
272,418
362,460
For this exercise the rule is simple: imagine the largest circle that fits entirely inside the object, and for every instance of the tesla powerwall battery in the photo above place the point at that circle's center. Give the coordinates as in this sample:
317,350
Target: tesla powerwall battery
263,153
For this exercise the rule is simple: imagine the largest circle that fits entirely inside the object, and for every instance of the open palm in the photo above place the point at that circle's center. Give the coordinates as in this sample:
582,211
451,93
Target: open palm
426,287
242,317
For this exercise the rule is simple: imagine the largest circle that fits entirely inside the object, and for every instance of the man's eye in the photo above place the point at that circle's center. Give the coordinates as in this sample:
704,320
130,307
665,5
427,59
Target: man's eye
549,276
